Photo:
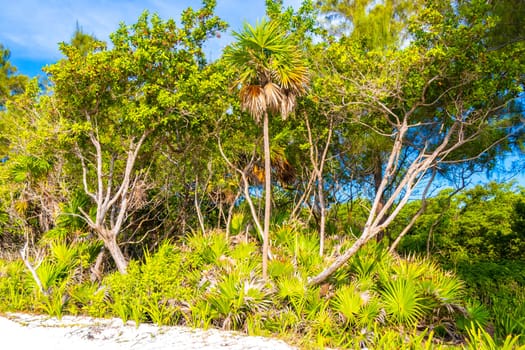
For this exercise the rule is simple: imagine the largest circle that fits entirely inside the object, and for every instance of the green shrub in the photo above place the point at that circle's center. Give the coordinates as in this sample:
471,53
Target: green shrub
153,290
479,339
16,287
206,281
233,299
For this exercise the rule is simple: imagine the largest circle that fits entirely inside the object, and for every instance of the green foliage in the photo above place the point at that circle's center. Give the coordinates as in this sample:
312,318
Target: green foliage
393,339
278,269
478,316
272,71
16,287
479,236
292,290
60,273
347,302
233,299
54,303
508,310
70,216
153,290
11,83
52,275
373,25
454,77
306,248
198,285
208,247
238,223
120,109
480,339
86,299
26,168
402,302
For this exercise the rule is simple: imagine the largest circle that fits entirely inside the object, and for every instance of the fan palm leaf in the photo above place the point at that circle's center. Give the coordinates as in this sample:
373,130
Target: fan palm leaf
402,302
273,95
253,101
347,302
267,58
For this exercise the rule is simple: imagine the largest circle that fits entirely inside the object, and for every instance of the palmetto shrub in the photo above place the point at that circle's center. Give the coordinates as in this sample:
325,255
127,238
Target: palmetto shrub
206,248
358,308
509,315
211,280
298,247
402,302
83,297
233,299
380,290
479,339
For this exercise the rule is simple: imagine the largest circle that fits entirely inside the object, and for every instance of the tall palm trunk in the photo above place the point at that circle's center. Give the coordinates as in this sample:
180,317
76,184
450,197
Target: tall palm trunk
267,194
273,74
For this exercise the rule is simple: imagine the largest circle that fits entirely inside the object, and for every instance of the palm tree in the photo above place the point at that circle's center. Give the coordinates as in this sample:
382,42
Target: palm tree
272,73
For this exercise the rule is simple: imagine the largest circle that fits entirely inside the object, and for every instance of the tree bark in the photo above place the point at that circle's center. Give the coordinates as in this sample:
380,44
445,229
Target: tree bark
96,270
322,224
340,261
416,216
112,204
25,259
318,166
378,177
110,242
198,207
267,195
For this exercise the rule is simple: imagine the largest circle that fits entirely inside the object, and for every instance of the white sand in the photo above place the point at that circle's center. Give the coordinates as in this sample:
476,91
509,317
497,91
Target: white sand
21,332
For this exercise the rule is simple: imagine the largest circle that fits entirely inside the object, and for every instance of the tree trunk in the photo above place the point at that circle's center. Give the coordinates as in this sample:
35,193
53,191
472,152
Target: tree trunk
378,177
318,166
267,195
110,242
340,261
198,207
322,225
96,270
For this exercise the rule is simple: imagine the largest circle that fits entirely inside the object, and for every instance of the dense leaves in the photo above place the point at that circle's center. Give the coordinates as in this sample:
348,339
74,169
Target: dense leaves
139,156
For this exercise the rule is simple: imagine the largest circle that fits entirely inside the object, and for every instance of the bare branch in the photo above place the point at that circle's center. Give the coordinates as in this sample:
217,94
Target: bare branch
421,210
32,270
246,190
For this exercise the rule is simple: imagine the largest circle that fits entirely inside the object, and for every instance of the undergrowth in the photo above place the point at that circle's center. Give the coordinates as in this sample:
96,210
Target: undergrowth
208,280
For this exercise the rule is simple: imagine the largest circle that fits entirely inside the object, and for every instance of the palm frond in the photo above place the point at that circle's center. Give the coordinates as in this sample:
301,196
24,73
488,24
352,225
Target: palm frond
273,95
287,104
347,302
253,100
266,57
402,302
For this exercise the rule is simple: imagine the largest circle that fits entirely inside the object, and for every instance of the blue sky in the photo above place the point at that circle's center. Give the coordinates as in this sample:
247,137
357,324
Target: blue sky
32,29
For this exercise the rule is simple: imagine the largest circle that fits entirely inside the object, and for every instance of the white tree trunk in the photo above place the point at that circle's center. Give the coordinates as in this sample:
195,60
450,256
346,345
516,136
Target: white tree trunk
116,253
112,205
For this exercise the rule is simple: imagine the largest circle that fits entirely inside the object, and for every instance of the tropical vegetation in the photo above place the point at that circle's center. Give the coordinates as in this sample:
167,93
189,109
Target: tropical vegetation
318,182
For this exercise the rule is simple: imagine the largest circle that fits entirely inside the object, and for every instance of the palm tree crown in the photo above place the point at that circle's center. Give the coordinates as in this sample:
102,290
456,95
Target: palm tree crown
272,71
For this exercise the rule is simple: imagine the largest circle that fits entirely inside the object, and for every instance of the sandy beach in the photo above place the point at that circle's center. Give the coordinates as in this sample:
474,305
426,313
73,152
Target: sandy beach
22,331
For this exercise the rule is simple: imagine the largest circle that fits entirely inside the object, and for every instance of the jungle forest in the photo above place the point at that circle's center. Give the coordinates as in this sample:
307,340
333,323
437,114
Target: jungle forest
318,182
